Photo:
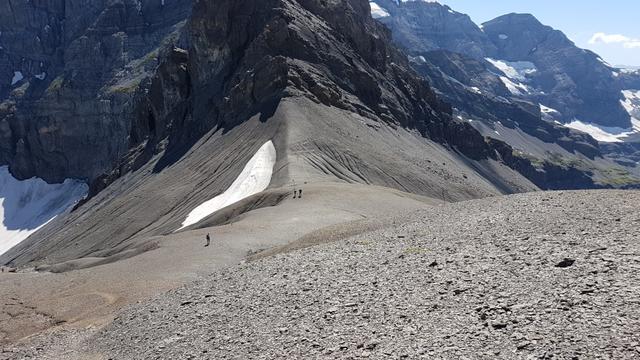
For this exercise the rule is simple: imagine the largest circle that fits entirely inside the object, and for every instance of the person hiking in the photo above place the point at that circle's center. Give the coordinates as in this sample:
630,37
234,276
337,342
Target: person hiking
208,240
300,194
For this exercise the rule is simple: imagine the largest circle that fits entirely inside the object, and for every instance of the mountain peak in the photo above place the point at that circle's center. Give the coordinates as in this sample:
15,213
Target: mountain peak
422,26
520,18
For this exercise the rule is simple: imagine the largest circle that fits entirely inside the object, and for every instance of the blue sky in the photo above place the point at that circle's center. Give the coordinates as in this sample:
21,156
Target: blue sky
610,28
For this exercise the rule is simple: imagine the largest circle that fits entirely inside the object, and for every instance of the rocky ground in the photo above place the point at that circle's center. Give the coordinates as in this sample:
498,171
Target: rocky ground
540,275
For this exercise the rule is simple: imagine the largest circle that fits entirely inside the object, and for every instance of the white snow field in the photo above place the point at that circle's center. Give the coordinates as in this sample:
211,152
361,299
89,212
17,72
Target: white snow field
631,103
516,88
26,206
377,11
515,70
517,73
547,110
254,178
604,133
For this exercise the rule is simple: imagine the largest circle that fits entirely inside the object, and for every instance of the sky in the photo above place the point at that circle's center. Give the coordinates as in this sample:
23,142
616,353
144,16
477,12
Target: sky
610,28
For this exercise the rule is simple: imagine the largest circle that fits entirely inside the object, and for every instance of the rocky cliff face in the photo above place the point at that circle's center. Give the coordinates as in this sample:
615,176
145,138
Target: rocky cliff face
331,52
72,77
423,26
244,58
94,90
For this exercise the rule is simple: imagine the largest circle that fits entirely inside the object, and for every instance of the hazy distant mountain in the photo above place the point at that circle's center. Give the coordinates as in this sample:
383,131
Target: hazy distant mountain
516,73
576,83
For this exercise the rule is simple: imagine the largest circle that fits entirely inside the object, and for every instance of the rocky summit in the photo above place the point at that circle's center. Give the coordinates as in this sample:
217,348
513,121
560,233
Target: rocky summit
213,179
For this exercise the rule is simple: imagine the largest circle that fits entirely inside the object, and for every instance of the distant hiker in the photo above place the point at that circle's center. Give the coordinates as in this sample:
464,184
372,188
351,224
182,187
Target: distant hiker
294,193
208,240
300,194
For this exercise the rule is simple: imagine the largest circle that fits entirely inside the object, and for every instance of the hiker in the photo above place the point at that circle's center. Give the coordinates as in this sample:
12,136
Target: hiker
208,240
300,194
294,193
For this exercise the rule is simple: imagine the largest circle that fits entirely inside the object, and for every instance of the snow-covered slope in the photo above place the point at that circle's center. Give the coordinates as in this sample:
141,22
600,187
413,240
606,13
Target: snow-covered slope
377,11
631,102
604,133
515,70
609,134
25,206
254,178
516,74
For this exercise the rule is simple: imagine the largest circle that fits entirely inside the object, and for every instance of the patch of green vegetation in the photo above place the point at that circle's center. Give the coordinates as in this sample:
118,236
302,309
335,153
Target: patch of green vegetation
618,177
128,87
535,161
616,172
569,162
56,84
20,91
620,181
149,59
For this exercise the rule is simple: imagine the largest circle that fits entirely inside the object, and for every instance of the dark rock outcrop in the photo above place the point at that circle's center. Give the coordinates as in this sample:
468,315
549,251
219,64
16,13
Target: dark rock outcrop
332,53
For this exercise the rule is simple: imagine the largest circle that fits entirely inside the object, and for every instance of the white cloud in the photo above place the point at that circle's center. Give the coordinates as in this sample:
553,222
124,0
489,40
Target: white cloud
603,38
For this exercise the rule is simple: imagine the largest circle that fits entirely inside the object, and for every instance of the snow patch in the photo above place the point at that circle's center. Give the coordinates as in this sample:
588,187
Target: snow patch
377,11
549,114
417,59
631,102
254,178
503,36
41,76
515,70
548,110
629,70
28,205
515,88
516,74
604,133
603,62
17,77
475,89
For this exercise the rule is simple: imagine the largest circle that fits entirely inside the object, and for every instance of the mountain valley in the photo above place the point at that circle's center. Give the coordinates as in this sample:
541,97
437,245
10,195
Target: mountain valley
371,176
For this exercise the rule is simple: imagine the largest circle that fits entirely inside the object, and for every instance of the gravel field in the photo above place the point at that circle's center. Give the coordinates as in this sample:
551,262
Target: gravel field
531,276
